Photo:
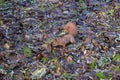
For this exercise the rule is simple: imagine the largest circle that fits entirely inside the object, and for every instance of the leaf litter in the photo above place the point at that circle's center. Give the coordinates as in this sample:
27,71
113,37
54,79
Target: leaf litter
60,40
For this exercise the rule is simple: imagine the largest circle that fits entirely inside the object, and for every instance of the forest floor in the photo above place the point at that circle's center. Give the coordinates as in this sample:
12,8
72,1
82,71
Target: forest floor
28,28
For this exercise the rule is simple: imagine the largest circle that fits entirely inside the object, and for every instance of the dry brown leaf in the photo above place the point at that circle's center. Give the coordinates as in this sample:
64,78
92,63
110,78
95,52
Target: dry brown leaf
2,54
69,59
47,46
88,53
88,40
64,40
82,48
52,72
1,35
59,70
96,44
71,28
27,78
45,36
40,56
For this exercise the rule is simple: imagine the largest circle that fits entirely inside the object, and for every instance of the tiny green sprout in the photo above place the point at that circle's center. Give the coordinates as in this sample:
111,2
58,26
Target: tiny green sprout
44,60
27,51
80,1
100,75
65,74
117,68
116,57
92,65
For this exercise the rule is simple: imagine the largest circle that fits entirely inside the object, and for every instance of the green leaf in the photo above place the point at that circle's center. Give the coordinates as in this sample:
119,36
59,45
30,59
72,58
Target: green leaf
52,7
83,5
116,57
109,76
100,75
44,60
92,65
27,51
65,74
1,1
112,12
117,68
80,1
32,1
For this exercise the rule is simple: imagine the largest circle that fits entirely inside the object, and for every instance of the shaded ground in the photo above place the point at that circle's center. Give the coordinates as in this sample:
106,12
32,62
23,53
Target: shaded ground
27,29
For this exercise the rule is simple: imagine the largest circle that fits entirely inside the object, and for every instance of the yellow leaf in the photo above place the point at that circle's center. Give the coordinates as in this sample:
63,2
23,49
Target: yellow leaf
7,46
1,22
38,73
28,8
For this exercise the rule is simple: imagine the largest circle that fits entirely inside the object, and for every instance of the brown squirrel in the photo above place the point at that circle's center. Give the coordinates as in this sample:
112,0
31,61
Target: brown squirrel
71,28
72,31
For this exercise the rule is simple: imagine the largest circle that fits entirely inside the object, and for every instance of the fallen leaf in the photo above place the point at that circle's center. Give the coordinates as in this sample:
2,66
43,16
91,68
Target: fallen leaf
52,72
7,46
47,46
40,56
45,36
38,73
65,12
82,49
96,44
2,71
102,16
59,70
28,8
88,40
2,54
1,22
71,28
27,78
27,37
59,4
88,53
1,35
69,59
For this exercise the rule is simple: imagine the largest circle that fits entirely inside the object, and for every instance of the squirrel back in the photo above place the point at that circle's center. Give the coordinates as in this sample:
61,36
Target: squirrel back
64,40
